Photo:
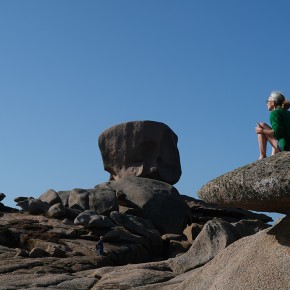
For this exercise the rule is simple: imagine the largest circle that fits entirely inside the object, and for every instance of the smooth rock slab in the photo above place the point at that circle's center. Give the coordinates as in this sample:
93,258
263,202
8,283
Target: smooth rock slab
28,281
119,279
261,186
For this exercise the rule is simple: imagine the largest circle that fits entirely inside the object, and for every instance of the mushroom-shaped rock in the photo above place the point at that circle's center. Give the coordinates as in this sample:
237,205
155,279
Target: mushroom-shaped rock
141,148
261,186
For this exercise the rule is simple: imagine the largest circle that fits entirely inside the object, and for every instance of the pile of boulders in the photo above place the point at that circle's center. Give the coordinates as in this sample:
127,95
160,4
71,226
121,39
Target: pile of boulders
140,215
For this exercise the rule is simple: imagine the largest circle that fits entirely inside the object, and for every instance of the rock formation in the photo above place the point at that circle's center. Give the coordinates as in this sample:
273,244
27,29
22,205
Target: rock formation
141,148
261,186
154,237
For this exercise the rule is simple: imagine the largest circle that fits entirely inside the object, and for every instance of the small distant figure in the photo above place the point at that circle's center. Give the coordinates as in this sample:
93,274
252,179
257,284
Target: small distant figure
100,246
279,134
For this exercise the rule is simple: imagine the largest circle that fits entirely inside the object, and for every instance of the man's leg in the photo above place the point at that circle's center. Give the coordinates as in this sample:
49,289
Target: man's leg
262,139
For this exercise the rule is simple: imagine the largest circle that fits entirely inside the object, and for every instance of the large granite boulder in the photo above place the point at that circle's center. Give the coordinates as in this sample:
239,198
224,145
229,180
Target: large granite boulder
141,148
261,186
156,201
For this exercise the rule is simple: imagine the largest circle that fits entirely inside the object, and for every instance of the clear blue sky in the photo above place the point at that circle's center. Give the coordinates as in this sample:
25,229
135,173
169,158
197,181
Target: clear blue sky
71,69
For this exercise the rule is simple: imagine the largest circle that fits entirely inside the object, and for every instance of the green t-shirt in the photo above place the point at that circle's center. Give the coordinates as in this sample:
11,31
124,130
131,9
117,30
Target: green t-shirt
280,122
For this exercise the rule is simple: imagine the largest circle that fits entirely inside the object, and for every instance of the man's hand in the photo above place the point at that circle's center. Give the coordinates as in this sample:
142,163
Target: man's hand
259,129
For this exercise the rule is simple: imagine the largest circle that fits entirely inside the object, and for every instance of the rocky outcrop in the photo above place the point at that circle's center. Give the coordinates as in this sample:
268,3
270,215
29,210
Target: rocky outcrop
141,148
261,186
154,237
56,253
214,238
260,261
150,199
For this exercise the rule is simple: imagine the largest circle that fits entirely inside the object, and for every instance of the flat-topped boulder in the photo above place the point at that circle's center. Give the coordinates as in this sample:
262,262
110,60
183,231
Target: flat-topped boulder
261,186
141,148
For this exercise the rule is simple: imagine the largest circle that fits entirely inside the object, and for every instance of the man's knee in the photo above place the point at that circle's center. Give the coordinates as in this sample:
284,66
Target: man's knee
264,125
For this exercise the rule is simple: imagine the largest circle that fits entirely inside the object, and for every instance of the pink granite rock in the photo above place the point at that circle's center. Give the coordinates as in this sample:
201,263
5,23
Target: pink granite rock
141,148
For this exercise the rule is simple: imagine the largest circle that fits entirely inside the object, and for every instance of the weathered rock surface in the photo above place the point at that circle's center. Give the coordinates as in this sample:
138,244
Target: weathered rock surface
41,252
51,197
154,238
261,186
141,148
214,238
150,199
119,279
89,219
157,201
103,199
261,261
34,206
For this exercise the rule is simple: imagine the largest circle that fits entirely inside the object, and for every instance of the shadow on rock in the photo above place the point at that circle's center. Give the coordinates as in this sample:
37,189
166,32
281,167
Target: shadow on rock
281,231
